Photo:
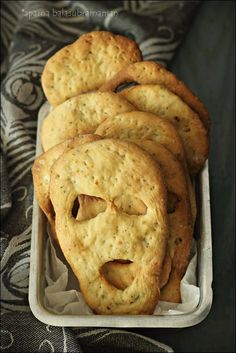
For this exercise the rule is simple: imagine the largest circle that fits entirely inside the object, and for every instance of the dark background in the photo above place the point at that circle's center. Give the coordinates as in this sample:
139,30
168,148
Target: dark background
206,62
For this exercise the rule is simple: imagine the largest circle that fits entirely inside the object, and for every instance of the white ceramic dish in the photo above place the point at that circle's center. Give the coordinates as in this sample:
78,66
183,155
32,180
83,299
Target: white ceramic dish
204,269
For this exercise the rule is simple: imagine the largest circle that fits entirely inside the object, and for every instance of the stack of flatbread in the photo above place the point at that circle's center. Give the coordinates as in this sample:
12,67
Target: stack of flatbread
115,178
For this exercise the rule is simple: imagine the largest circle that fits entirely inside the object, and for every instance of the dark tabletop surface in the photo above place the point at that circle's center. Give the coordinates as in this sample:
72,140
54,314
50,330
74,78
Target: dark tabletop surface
206,62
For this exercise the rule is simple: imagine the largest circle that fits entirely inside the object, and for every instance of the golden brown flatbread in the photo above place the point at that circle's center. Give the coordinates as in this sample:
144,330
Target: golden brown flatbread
180,225
158,100
86,64
148,72
110,169
41,172
145,126
80,115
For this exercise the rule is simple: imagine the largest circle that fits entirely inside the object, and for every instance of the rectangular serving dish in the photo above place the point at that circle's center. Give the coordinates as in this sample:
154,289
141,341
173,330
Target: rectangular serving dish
204,269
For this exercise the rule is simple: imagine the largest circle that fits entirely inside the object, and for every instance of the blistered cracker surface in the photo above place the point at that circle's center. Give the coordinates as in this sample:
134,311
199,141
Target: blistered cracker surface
162,102
143,125
108,169
80,115
179,218
41,171
86,64
148,72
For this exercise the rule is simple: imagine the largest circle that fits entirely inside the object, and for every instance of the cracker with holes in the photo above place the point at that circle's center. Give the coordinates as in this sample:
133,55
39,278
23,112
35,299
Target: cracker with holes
112,170
41,172
81,115
167,105
180,226
148,72
87,64
120,275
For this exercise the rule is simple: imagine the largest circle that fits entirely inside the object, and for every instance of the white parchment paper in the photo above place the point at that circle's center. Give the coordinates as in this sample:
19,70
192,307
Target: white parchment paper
62,294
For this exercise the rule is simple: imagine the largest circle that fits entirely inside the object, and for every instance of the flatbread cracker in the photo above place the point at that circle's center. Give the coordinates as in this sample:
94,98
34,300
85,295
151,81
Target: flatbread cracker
41,172
145,126
148,72
108,169
81,115
180,226
86,64
158,100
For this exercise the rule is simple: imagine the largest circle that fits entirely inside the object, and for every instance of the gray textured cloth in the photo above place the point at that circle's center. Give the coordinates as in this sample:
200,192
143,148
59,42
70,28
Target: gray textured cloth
23,333
31,32
5,188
